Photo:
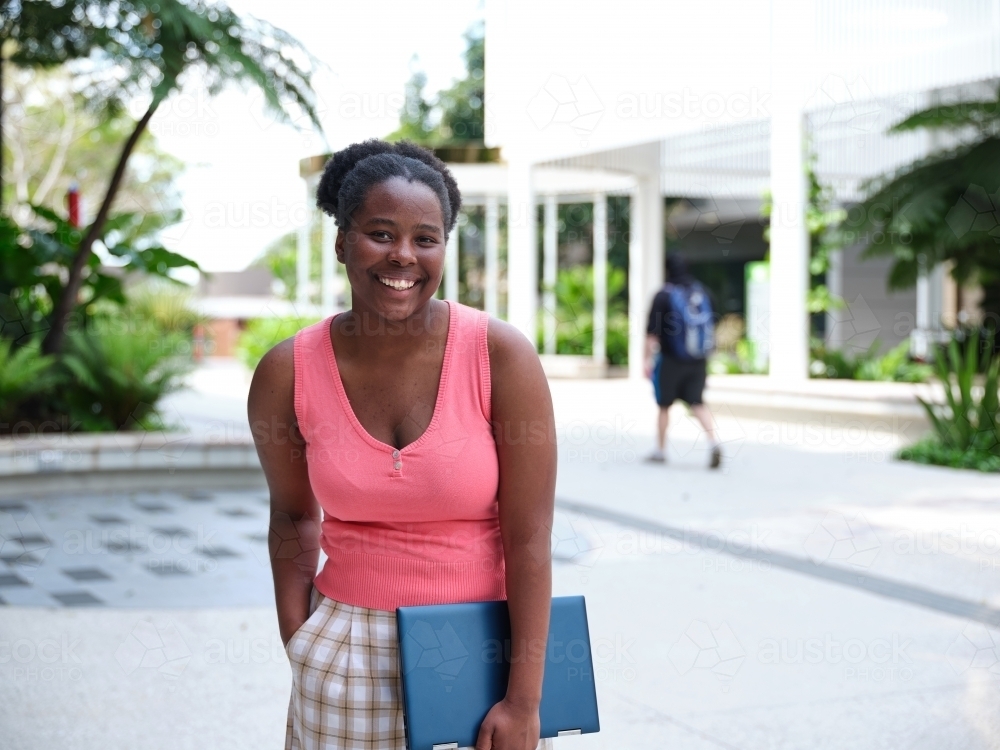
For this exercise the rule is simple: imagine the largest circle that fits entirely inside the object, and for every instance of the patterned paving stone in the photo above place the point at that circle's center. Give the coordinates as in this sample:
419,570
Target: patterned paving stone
122,543
217,552
168,569
76,598
12,579
87,574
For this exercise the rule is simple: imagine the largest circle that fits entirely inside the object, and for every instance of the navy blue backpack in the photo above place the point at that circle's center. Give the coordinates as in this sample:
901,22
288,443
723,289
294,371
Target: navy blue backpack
690,331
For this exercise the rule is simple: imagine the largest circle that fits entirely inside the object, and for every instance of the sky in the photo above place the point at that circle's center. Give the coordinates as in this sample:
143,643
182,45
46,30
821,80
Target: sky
241,189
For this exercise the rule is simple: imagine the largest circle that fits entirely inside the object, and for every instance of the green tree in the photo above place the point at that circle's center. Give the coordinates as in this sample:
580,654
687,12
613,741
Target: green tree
59,140
945,207
43,34
455,116
140,51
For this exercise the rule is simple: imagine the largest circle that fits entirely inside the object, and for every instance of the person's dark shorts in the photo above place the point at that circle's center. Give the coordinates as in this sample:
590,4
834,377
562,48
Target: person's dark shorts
681,379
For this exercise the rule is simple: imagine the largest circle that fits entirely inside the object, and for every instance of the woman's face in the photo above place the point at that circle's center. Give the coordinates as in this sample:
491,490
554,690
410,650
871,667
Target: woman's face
394,249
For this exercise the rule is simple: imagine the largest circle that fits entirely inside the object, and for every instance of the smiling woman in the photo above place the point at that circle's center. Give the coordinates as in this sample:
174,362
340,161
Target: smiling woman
412,440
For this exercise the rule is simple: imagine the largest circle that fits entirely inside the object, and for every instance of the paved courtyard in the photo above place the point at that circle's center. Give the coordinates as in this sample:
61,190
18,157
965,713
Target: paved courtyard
813,593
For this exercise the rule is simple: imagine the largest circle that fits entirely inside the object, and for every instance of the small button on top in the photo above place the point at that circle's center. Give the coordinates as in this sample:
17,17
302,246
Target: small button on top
395,454
398,465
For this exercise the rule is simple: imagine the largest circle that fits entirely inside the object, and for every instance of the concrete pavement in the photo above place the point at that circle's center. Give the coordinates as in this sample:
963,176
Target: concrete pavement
700,639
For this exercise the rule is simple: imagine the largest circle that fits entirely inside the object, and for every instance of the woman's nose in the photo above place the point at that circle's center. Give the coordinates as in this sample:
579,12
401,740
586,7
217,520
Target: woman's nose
403,252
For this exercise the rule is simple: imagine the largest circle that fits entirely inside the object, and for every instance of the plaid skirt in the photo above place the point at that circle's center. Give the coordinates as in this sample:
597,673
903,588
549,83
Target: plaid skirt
346,687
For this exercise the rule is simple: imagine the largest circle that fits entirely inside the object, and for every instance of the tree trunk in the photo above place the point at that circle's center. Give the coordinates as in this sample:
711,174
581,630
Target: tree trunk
64,306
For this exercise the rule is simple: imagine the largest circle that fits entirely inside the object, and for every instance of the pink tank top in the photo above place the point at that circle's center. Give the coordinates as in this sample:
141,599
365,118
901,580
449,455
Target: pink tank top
417,525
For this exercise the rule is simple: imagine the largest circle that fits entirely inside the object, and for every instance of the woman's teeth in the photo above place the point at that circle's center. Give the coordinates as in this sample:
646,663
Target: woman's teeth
398,284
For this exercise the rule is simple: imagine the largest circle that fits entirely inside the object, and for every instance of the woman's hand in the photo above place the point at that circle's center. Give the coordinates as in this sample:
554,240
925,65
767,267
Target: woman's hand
510,726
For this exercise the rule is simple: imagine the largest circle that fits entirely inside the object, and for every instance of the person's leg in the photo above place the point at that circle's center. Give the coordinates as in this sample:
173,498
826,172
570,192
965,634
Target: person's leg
705,420
665,395
662,423
694,388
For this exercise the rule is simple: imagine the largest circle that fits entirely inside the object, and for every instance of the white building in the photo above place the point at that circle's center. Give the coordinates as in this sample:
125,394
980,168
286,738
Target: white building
716,102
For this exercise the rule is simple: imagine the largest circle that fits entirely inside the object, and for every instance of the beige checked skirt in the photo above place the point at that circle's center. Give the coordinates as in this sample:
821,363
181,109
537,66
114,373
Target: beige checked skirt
346,692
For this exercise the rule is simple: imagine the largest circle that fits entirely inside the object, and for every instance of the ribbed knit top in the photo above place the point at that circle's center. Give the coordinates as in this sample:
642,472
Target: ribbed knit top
408,526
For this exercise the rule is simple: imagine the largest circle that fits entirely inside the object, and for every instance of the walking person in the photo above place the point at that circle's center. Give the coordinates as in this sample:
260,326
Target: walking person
679,337
389,437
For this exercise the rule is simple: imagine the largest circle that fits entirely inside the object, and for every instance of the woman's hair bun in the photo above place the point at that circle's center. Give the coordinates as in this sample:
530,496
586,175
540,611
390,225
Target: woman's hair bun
352,171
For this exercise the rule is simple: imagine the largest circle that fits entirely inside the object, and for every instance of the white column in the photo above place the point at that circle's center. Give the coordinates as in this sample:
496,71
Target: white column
328,270
302,258
451,265
652,239
645,253
522,250
600,344
492,304
550,272
792,24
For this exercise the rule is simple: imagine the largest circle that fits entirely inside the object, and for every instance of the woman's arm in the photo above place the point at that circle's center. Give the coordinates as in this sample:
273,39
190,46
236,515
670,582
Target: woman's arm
524,429
293,533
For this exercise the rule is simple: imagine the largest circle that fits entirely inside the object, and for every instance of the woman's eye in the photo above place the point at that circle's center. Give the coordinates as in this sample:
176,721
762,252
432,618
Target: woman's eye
380,235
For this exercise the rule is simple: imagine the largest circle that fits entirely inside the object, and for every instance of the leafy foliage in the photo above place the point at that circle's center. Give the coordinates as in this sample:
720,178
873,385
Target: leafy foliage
968,422
823,216
456,116
944,207
895,365
34,263
24,374
119,374
263,333
575,314
59,140
740,359
138,49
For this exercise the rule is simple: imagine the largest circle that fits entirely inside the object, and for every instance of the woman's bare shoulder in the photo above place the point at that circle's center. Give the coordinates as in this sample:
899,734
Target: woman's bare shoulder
274,379
515,369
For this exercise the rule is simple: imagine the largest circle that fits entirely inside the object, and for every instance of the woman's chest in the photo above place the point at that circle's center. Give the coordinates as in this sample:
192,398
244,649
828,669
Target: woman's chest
452,474
394,404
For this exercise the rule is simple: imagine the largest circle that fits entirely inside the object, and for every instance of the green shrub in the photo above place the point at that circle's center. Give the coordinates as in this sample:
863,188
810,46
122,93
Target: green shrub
895,365
967,425
931,451
262,334
25,373
740,359
118,375
575,314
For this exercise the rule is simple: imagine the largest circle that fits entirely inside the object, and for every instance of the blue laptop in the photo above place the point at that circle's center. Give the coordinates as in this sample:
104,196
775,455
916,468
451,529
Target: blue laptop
455,660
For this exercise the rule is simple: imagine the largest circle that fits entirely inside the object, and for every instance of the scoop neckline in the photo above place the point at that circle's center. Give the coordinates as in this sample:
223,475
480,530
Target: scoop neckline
346,402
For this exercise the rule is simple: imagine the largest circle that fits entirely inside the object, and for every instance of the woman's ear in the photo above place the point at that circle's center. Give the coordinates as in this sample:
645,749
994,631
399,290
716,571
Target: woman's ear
339,244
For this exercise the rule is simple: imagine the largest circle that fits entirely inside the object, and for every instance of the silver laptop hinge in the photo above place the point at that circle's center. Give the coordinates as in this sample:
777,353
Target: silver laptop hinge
445,746
565,733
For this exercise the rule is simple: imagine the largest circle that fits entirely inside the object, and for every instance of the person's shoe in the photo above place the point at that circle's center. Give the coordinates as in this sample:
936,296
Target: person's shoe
716,460
656,457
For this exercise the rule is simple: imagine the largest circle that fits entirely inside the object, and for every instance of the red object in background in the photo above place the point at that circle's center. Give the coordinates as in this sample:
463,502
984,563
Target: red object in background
73,204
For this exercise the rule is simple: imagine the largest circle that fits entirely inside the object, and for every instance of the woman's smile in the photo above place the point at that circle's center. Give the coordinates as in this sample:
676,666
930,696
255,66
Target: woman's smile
399,284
